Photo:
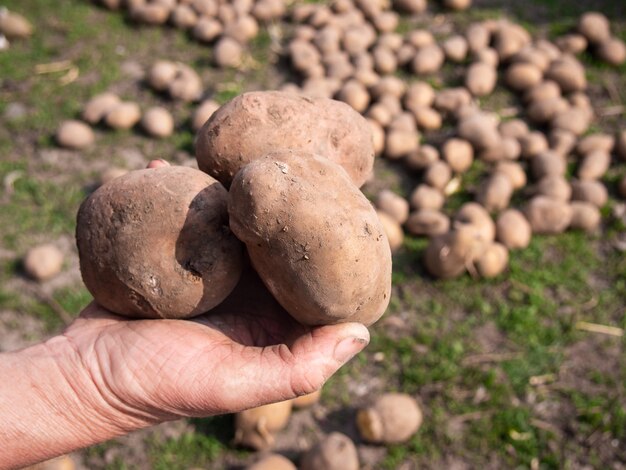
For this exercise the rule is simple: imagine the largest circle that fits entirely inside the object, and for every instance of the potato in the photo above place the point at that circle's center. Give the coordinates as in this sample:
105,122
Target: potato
515,128
438,174
548,216
594,165
457,4
392,419
593,142
422,158
111,173
507,149
184,17
533,144
478,220
450,100
481,79
428,222
249,126
176,271
572,43
622,187
204,7
385,61
227,53
590,191
75,135
509,39
478,37
393,205
150,13
400,143
595,27
522,76
447,256
569,74
268,10
419,38
161,74
256,427
203,113
334,452
158,122
488,56
562,142
459,154
99,106
574,120
207,29
123,116
43,262
554,187
389,86
544,91
426,197
14,26
403,121
585,216
513,230
308,400
514,172
496,194
378,136
481,130
455,48
410,6
354,94
243,29
541,112
305,264
386,21
273,462
428,60
612,51
493,261
548,163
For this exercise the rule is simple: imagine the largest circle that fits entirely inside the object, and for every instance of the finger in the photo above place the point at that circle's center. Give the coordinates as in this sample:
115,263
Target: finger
275,373
157,164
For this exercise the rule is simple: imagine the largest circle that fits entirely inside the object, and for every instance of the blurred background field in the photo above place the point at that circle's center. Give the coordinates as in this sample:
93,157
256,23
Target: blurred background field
507,370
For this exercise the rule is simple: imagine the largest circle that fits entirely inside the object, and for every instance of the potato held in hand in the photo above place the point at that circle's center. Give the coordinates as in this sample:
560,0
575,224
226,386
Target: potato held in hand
314,239
155,244
254,124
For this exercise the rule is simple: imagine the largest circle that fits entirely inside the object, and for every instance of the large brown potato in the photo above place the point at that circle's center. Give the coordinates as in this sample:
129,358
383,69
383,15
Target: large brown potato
254,124
155,244
313,237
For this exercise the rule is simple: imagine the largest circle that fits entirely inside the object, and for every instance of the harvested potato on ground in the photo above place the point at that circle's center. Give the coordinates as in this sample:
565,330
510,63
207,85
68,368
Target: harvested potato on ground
304,264
595,27
447,256
507,149
184,17
410,6
591,191
568,74
14,26
478,37
155,243
149,13
449,100
203,113
161,74
428,222
515,129
554,187
514,172
378,135
75,135
273,462
334,452
393,205
99,106
603,142
158,122
496,194
186,85
43,262
481,130
612,51
123,116
542,111
562,142
477,217
546,90
459,154
427,118
522,76
207,29
426,197
572,43
488,56
513,230
111,174
574,120
227,53
585,216
392,229
428,60
400,143
594,165
493,261
438,175
249,126
481,78
392,419
419,94
256,427
455,48
305,401
457,4
548,164
548,216
422,158
355,94
533,144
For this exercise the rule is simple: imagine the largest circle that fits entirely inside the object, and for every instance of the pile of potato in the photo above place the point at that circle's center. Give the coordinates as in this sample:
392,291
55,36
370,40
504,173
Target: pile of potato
227,26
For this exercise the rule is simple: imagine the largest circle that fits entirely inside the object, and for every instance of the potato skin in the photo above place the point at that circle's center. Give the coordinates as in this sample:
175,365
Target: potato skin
256,123
155,243
313,237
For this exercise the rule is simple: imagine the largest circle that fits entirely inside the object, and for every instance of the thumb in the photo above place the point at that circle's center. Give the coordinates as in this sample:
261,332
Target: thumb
281,372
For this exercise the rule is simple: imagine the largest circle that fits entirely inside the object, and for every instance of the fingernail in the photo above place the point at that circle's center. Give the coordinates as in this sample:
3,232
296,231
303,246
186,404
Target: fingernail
347,348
